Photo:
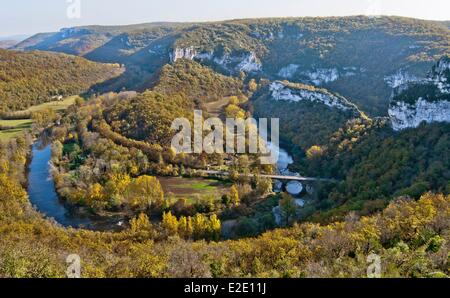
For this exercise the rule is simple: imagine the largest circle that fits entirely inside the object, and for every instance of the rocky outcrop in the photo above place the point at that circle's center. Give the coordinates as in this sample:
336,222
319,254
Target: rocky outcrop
297,93
440,75
247,62
404,115
426,100
400,78
183,53
68,32
322,76
289,71
318,76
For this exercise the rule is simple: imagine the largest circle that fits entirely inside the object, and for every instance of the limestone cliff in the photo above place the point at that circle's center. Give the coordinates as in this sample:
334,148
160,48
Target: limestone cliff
426,100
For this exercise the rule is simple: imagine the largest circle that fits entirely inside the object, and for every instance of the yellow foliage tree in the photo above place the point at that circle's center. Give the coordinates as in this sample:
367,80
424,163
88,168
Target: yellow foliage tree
252,85
146,191
96,196
234,196
140,223
170,223
215,227
314,152
233,111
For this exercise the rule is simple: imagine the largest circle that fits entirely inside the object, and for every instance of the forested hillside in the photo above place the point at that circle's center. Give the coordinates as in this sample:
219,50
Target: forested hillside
359,57
411,237
155,213
28,79
375,164
305,118
196,82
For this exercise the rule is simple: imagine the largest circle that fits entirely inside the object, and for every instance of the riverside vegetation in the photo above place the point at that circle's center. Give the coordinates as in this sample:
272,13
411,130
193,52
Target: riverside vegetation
111,152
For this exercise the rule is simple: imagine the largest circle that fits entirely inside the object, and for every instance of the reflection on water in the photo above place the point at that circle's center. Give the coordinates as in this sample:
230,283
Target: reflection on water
42,194
284,159
283,163
41,189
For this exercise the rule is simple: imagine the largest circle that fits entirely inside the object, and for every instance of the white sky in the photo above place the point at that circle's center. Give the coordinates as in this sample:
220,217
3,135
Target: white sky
32,16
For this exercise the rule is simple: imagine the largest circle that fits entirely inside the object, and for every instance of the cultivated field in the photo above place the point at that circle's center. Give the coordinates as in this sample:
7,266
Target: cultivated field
16,127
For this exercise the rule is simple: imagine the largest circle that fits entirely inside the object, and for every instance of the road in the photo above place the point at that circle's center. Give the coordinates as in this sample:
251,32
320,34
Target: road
277,177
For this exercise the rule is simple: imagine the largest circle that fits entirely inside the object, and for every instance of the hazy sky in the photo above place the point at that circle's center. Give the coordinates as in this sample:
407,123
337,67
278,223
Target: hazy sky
32,16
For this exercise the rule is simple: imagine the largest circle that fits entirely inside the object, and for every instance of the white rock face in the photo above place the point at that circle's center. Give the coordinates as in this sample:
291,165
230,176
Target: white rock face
281,91
404,115
249,63
288,72
440,76
400,78
205,55
322,75
180,53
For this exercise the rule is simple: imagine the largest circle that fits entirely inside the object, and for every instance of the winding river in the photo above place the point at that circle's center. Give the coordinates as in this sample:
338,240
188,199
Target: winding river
43,196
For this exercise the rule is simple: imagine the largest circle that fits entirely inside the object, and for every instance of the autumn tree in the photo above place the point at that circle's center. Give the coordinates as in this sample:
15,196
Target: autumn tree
314,152
146,191
252,85
140,223
234,196
44,117
170,223
96,196
215,227
234,111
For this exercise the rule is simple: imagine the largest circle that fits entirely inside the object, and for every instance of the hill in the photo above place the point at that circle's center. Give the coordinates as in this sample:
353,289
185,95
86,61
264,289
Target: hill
359,57
196,82
426,100
36,77
308,115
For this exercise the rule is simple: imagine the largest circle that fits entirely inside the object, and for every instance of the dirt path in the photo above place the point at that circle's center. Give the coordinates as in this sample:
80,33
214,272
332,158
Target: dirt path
216,108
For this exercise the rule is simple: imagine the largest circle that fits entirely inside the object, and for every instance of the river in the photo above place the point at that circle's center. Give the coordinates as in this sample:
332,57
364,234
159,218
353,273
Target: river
283,163
43,196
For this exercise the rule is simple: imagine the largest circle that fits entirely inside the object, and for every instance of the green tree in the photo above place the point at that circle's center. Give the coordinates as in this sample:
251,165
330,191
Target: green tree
288,208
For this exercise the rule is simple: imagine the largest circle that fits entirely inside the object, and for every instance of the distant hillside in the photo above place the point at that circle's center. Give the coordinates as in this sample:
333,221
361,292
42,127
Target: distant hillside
10,41
426,100
196,82
446,23
32,78
359,57
374,164
5,44
177,90
308,115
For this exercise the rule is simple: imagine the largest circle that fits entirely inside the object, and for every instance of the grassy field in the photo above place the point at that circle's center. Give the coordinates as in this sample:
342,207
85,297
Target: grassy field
18,126
193,189
54,105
